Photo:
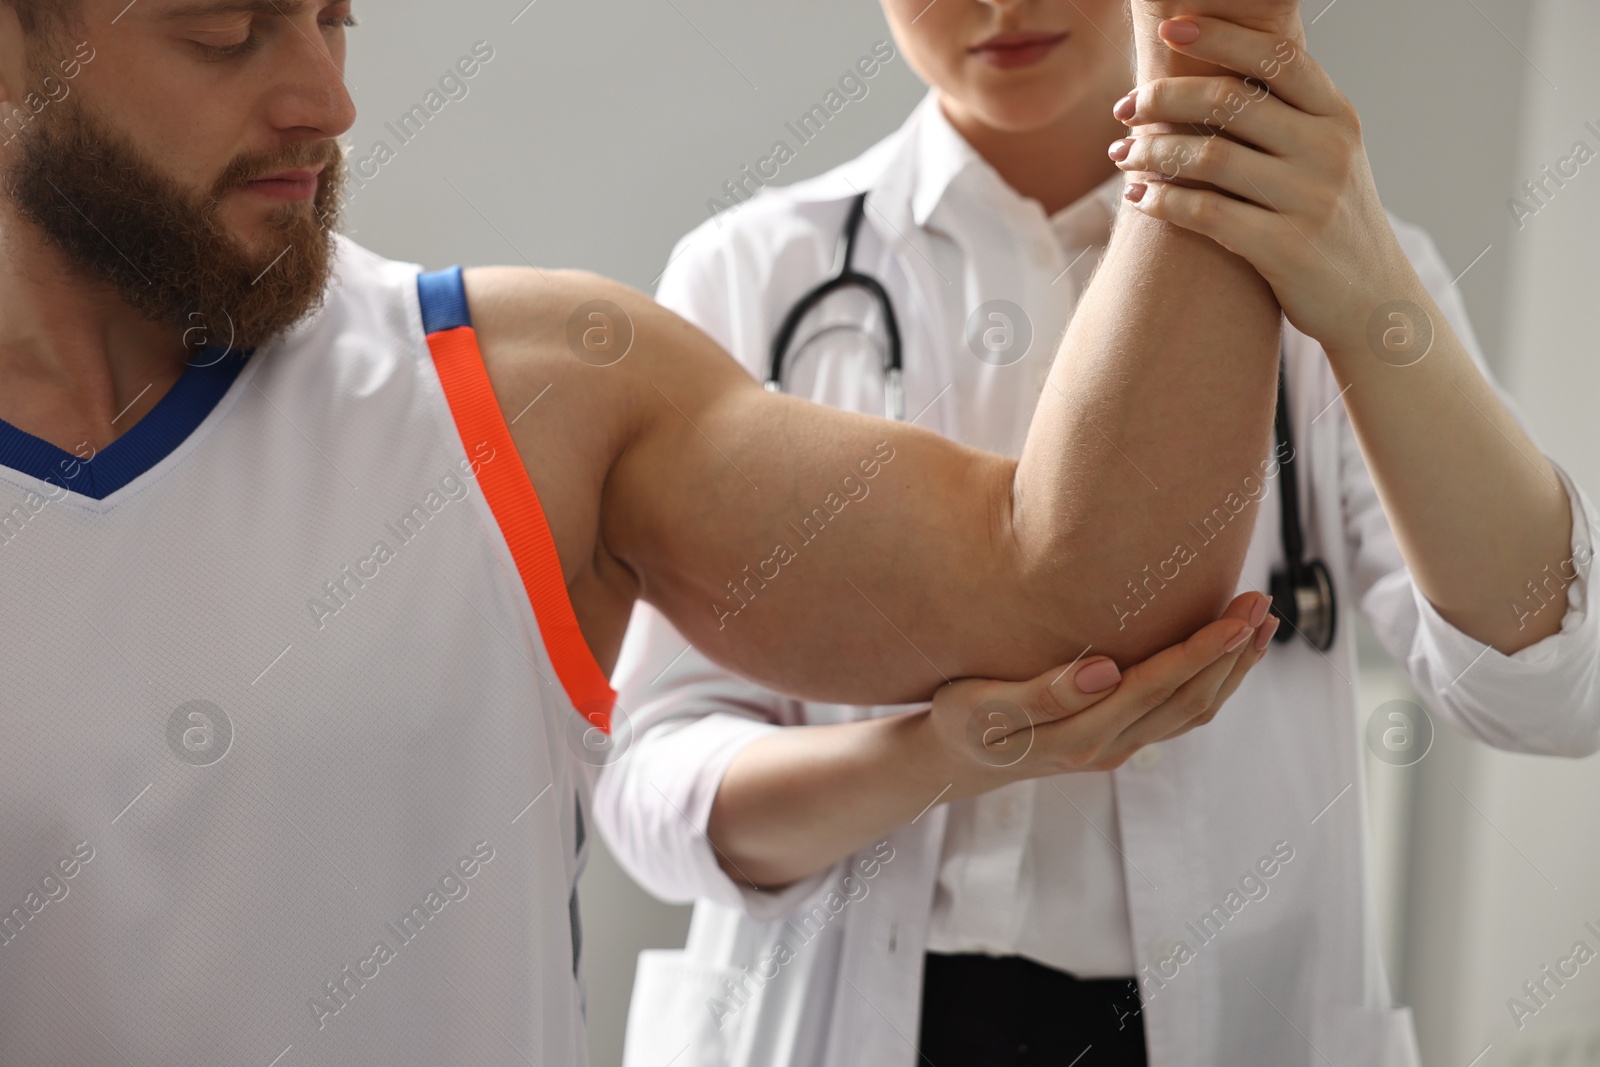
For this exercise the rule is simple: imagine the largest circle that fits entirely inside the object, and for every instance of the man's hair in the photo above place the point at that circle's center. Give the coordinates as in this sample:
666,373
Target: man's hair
44,14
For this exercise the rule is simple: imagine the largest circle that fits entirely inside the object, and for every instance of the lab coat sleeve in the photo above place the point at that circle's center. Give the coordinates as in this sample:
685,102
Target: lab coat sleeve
1544,699
686,720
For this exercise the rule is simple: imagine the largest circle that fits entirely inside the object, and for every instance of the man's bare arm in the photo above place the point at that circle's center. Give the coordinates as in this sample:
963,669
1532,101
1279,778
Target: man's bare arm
839,557
1159,407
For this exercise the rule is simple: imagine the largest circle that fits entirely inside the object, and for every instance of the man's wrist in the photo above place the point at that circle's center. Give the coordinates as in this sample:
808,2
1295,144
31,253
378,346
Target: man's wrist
1281,17
1156,60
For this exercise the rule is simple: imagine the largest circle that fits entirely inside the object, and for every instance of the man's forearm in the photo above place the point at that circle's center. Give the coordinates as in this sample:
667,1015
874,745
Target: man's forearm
1150,436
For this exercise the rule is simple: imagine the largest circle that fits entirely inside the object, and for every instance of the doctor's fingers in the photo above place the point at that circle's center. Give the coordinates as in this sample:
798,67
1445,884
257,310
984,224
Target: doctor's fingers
1243,109
997,721
1246,230
1239,169
1059,693
1259,646
1252,654
1197,701
1186,676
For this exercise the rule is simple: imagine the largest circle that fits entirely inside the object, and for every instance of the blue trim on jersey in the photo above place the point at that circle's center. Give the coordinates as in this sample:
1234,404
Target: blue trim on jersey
151,440
443,294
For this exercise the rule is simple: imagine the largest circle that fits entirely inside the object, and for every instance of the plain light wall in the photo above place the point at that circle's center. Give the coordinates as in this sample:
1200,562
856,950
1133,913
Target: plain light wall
1508,884
597,133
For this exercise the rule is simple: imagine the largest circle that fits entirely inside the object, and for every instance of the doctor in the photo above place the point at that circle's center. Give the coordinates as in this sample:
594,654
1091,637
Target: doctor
1205,902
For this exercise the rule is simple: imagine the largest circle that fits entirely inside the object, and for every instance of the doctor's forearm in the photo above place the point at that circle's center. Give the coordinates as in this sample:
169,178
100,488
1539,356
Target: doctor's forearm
797,801
1481,518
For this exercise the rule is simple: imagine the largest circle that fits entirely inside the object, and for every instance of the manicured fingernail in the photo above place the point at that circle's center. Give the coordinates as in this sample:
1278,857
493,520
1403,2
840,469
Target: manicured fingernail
1238,641
1179,31
1260,611
1135,192
1097,677
1119,150
1264,635
1126,107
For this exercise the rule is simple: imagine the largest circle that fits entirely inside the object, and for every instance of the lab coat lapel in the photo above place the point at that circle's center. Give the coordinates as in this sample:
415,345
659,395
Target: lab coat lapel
1161,832
877,1004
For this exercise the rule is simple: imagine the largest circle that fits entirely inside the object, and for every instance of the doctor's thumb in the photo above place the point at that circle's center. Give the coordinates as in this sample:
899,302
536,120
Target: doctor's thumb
1066,691
1088,677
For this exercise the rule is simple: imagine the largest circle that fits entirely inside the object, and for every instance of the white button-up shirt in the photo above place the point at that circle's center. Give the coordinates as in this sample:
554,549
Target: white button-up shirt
1030,869
1225,868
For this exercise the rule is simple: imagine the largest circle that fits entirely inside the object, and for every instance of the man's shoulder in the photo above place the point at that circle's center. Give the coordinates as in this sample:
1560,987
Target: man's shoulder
569,409
593,343
542,312
582,369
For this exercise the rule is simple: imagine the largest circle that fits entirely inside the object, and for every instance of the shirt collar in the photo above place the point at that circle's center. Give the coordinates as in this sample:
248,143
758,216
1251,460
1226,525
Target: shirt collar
1087,221
942,156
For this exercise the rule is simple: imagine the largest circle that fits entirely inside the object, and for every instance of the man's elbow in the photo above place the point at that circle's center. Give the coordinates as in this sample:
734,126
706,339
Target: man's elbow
1134,617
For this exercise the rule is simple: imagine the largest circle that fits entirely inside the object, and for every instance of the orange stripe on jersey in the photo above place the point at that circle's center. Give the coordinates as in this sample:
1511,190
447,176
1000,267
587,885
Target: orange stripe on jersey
516,508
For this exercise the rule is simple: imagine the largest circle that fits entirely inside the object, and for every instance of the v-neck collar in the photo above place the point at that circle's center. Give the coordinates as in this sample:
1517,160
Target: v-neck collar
151,440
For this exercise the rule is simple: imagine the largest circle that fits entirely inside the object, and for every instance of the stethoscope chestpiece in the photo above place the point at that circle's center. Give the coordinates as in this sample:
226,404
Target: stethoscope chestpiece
1306,605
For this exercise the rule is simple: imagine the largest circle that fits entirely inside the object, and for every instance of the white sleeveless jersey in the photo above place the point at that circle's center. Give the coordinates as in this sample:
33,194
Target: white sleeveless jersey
288,680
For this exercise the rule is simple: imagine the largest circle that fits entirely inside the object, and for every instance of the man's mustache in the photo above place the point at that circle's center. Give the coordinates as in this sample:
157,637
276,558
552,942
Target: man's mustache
253,166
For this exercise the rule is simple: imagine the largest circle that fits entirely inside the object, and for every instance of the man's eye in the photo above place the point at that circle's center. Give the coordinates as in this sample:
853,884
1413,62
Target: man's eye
228,51
341,22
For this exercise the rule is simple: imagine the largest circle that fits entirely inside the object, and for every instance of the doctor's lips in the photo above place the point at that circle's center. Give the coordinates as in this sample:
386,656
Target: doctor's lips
1009,51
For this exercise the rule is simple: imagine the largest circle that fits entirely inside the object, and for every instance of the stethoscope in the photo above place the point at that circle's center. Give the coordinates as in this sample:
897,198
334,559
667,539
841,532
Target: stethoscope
1302,590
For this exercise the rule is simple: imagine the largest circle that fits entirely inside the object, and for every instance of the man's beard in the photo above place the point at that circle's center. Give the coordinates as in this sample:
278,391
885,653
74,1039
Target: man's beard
119,220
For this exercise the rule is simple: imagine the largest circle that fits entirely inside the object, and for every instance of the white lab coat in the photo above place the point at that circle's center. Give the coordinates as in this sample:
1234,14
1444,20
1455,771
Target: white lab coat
1292,978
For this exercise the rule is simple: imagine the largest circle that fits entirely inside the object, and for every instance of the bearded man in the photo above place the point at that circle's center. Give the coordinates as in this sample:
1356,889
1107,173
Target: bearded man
310,609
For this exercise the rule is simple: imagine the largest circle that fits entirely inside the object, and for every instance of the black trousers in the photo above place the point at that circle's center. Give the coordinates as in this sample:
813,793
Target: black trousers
982,1011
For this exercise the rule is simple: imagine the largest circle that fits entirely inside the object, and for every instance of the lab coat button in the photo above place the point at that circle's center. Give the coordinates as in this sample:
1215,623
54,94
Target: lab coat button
1146,758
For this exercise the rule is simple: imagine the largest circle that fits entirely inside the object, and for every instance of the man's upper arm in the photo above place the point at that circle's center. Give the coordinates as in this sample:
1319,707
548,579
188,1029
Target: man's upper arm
780,536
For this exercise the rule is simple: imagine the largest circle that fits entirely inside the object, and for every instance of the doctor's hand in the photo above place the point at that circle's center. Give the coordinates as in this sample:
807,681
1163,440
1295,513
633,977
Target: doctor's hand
1089,716
793,802
1297,196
